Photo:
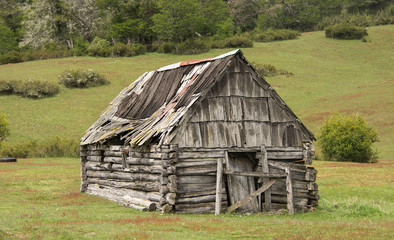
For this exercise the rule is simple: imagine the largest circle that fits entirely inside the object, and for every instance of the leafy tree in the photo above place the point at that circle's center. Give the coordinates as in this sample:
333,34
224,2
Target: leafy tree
4,131
217,18
7,39
347,138
178,20
45,23
244,13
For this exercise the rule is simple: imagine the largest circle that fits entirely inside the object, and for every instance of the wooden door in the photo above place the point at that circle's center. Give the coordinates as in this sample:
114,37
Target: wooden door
239,187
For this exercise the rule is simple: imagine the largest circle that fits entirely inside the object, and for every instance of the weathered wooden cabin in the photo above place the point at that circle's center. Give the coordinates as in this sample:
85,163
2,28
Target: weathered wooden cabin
200,136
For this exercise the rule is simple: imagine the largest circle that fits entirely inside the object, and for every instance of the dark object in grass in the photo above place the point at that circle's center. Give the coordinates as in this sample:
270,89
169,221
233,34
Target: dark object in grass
7,159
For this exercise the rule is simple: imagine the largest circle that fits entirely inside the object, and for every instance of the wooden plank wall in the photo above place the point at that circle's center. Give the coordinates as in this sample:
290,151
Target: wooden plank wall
238,112
146,174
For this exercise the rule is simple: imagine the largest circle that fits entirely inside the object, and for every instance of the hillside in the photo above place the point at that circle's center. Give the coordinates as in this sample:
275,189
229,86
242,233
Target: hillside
329,76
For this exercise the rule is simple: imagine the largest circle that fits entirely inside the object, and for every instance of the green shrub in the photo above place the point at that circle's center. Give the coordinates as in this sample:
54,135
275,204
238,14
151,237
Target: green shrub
268,70
163,47
11,57
30,88
99,47
21,150
80,78
238,42
53,147
122,50
347,138
4,131
275,35
35,88
345,31
193,46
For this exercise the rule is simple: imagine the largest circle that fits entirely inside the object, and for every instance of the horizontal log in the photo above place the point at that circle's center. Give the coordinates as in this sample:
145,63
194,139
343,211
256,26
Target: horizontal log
123,175
118,193
283,155
198,208
296,194
151,206
119,167
297,175
301,202
91,153
199,193
195,187
199,155
254,174
193,171
196,179
240,149
200,199
294,167
113,153
194,163
137,185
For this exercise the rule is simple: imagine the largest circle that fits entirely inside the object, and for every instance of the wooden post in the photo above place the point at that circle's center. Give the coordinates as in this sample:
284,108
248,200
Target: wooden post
289,189
219,177
267,194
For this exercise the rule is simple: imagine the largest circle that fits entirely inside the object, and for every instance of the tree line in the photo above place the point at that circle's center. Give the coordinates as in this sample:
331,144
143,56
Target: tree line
74,24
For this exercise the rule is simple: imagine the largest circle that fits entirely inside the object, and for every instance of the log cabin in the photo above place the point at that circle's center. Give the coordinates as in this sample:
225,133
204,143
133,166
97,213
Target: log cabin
201,136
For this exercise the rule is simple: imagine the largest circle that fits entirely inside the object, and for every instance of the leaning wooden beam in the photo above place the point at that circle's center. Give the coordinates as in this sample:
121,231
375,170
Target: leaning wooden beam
289,189
251,196
267,194
219,177
255,174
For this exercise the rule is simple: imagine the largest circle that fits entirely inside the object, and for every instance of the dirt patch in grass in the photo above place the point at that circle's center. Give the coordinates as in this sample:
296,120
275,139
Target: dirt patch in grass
8,170
347,97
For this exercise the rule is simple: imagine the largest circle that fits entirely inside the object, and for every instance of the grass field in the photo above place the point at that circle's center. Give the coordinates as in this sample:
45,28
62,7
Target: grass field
40,198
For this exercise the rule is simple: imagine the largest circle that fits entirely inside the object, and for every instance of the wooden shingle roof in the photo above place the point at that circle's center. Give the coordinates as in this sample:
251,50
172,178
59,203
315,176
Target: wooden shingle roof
152,106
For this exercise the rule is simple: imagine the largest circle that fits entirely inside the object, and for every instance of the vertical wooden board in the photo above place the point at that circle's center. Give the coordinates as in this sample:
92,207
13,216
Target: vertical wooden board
236,109
250,130
216,109
241,83
266,132
221,134
225,87
196,135
233,86
276,136
205,115
188,135
213,140
263,111
277,113
226,109
204,134
231,133
197,113
248,84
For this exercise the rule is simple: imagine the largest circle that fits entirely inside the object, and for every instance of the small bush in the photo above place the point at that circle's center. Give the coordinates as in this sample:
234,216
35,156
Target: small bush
53,147
347,138
30,88
4,131
11,57
238,42
122,50
275,35
345,31
99,47
163,47
35,88
193,46
268,70
82,79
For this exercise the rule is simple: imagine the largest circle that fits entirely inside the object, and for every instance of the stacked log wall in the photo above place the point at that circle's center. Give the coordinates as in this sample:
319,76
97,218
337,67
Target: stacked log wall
140,176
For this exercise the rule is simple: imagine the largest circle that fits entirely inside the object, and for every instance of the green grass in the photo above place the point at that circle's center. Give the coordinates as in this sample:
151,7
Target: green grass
41,200
330,76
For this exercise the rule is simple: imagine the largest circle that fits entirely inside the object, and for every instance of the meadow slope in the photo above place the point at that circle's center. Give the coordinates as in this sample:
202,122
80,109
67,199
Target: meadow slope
329,76
40,198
